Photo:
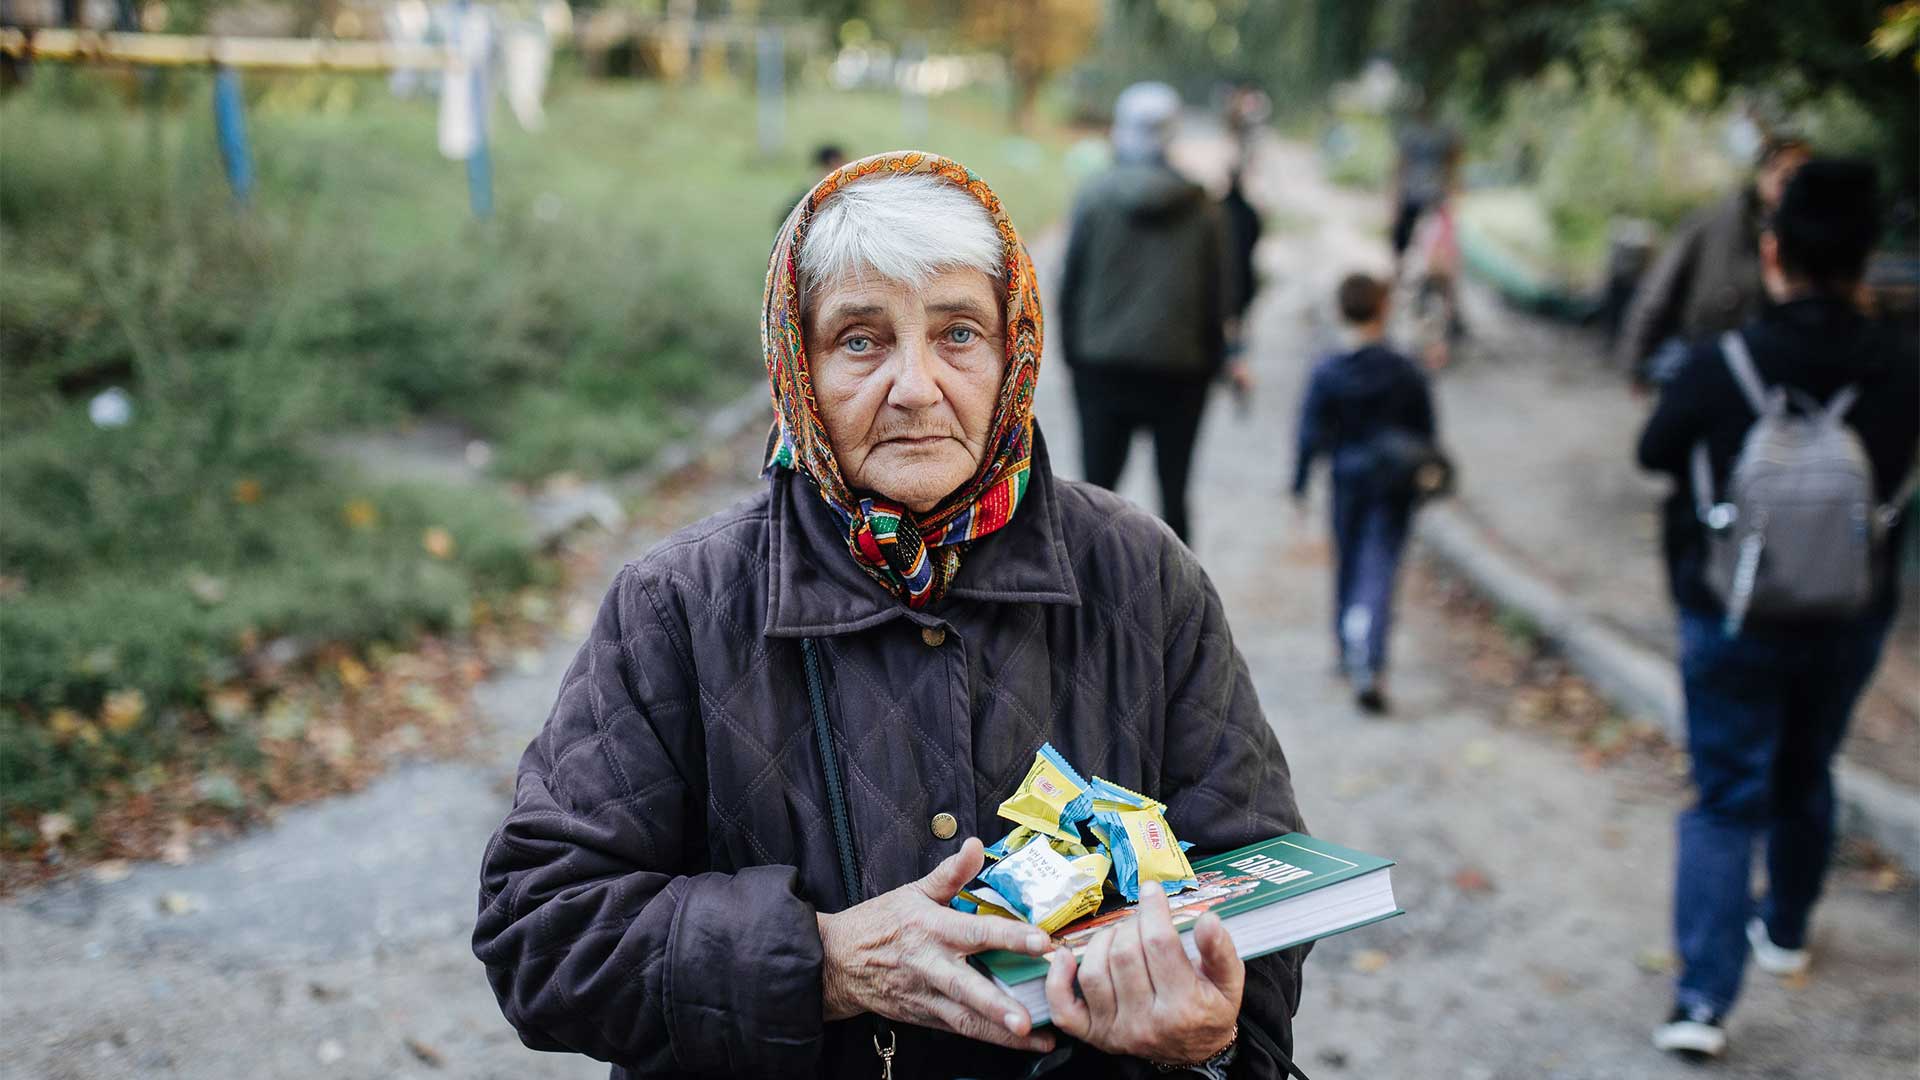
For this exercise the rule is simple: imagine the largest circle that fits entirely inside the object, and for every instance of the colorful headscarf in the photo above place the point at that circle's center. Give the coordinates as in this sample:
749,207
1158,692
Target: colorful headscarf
915,556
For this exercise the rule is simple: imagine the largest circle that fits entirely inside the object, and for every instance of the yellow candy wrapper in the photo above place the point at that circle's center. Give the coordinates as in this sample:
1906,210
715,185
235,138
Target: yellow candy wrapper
1143,848
982,901
1046,888
1112,796
1053,798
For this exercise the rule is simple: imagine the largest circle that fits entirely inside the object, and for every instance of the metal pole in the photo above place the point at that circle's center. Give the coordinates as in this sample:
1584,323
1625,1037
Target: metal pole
771,84
230,124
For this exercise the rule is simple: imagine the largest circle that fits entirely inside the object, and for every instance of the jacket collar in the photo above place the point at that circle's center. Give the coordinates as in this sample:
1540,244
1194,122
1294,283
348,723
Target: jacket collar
814,588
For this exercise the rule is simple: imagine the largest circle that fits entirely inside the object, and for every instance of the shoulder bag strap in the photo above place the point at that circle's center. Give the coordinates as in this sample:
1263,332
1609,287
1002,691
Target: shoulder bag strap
1740,362
830,765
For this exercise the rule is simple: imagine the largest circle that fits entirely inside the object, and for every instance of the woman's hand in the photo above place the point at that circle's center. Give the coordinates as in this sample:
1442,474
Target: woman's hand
1141,994
904,955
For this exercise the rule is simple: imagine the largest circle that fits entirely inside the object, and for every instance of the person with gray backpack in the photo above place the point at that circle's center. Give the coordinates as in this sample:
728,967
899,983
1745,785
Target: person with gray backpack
1791,442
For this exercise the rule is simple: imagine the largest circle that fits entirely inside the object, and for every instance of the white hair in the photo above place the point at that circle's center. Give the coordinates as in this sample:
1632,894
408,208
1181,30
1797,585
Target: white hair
902,228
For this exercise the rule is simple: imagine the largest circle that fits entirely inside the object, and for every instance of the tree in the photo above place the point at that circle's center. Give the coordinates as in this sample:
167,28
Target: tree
1038,38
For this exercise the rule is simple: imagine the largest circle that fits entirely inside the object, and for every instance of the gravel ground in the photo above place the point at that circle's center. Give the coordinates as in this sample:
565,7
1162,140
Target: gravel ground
335,943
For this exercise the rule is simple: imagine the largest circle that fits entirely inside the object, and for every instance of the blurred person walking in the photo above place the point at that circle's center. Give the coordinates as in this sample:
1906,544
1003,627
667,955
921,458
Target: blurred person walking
1143,303
1707,279
1771,674
1424,175
1370,412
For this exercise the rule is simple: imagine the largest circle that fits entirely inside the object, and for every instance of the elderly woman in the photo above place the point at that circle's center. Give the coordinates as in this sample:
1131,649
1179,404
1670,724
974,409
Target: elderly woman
732,845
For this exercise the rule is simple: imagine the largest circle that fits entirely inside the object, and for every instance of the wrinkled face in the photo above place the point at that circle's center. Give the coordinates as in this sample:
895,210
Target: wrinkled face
906,379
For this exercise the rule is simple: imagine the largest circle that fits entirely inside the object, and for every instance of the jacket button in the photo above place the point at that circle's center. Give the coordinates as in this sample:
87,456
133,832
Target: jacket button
934,636
944,826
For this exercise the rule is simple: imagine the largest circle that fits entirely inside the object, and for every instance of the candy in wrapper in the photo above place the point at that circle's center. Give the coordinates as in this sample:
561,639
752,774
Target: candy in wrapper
1117,797
1143,848
1046,888
1052,799
980,900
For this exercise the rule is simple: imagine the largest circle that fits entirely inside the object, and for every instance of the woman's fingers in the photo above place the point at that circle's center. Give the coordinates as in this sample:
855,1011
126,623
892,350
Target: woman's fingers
1096,981
1167,961
969,934
961,1020
1220,962
1069,1011
957,982
1127,960
954,872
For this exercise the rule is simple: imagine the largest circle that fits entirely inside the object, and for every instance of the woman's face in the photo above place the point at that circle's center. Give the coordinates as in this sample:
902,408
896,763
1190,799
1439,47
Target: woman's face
906,380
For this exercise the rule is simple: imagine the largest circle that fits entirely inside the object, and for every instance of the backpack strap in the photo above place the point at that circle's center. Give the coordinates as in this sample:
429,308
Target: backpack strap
1740,363
1702,484
1842,401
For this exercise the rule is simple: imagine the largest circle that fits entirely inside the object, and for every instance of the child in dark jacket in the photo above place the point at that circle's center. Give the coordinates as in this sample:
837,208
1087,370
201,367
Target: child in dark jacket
1351,400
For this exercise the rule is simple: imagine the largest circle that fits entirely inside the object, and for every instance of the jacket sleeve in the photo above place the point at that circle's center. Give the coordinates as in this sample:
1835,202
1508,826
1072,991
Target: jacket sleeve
1680,418
1653,315
1228,783
600,932
1308,437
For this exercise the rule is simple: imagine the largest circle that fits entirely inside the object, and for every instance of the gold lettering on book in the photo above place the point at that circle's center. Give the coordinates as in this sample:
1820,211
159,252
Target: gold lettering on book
1270,869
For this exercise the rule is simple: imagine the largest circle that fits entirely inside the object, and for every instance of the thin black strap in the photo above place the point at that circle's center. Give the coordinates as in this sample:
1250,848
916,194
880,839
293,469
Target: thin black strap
1252,1033
830,764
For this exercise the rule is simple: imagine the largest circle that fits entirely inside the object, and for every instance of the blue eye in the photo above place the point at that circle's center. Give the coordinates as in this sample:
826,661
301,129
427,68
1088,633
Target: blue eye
859,343
961,335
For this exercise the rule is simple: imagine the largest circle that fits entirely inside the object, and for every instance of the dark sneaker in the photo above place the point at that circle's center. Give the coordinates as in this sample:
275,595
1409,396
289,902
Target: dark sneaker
1371,699
1697,1033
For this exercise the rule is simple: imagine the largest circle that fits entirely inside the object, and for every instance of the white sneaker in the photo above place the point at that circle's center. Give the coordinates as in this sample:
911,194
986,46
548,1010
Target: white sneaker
1771,958
1696,1032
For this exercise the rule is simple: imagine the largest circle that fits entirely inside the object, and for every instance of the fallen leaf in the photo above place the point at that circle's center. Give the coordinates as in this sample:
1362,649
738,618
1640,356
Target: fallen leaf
353,674
360,514
246,491
180,903
1613,838
1654,961
1369,961
1471,879
122,710
65,723
427,1054
1799,980
438,542
230,706
55,828
1885,880
112,870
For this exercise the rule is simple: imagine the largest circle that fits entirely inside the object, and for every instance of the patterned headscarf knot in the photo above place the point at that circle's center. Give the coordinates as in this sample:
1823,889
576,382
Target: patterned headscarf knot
914,556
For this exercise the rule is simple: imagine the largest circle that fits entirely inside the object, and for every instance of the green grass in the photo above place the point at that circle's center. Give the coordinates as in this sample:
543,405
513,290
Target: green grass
612,299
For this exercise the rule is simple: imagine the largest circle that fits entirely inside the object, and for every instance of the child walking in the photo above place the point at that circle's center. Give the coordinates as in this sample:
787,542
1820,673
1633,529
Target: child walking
1362,410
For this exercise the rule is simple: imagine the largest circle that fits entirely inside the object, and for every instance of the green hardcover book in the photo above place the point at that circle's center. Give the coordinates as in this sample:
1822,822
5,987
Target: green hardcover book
1270,896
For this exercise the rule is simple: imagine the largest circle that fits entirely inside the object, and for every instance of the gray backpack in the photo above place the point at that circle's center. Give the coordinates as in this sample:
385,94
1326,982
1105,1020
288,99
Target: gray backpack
1798,534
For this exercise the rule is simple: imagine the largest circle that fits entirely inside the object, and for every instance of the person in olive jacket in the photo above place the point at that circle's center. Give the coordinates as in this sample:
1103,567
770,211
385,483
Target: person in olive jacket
733,843
1144,303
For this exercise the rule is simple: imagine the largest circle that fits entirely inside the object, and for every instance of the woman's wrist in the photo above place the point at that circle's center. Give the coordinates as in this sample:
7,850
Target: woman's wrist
1233,1037
836,1001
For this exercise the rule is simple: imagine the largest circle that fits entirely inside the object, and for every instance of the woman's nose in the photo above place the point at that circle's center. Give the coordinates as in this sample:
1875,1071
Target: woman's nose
914,386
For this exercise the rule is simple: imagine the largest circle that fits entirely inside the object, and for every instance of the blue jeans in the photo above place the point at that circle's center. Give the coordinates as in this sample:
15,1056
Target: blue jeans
1369,534
1765,713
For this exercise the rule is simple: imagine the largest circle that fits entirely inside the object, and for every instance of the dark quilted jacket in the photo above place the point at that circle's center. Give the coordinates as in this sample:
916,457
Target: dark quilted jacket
650,898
